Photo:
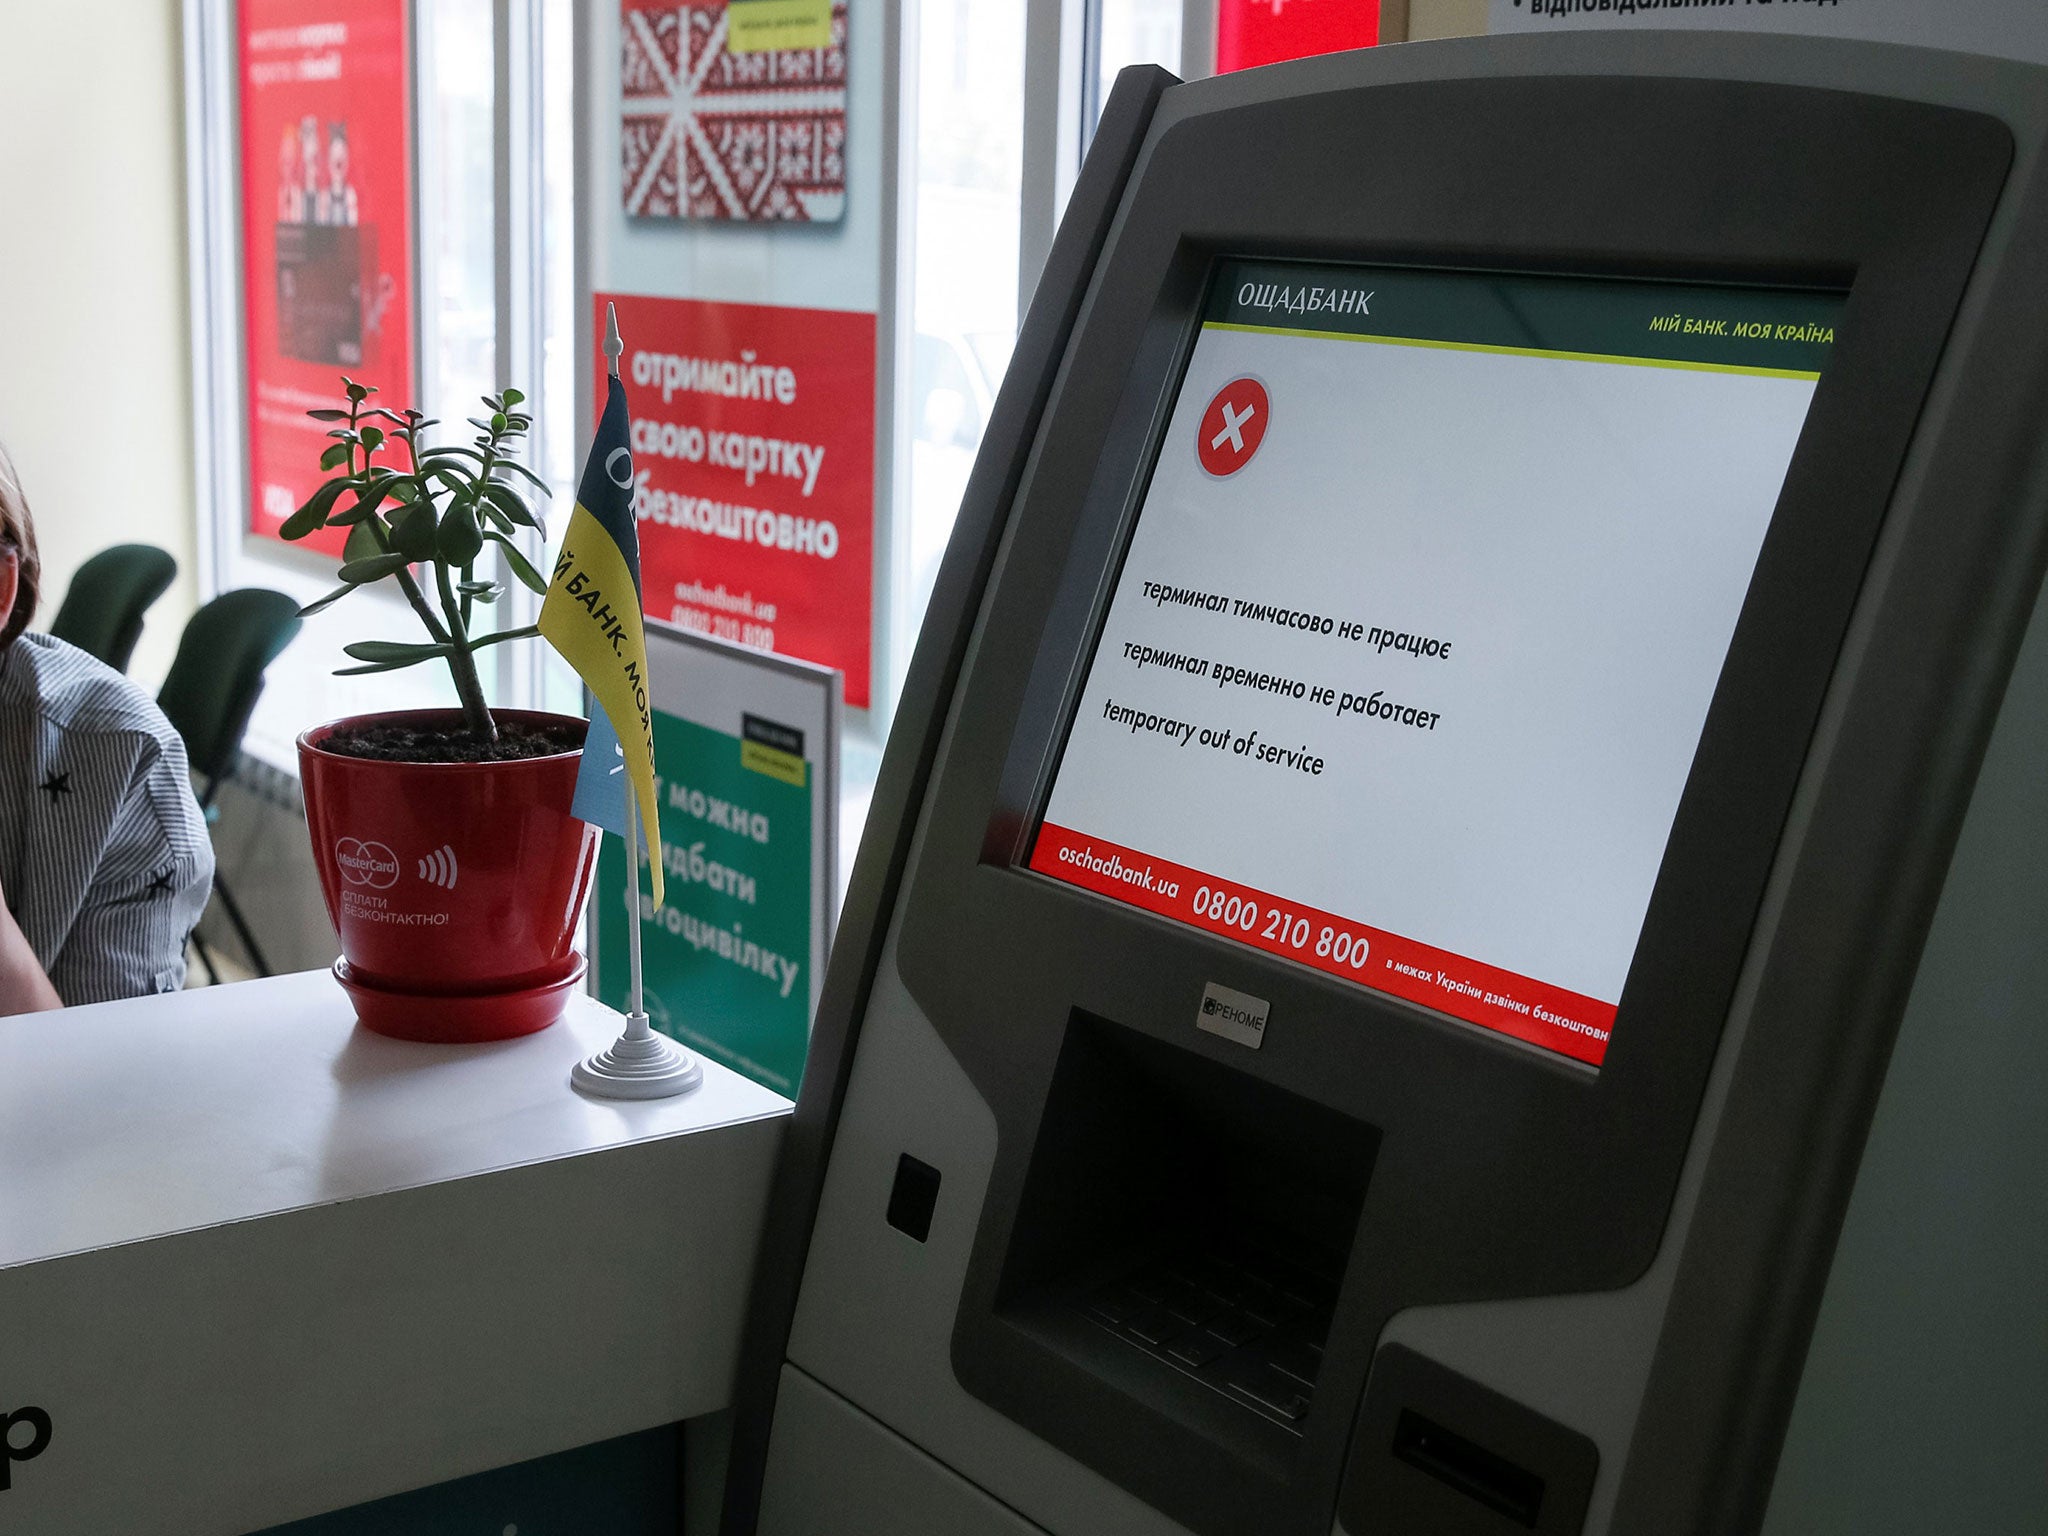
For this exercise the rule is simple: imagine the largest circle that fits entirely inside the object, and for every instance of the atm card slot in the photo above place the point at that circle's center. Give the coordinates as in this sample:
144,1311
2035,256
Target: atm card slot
1436,1451
1469,1467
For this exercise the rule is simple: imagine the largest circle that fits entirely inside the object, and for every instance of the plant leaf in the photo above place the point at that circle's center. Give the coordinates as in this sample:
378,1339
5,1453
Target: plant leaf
482,591
376,568
524,632
449,450
326,602
372,438
366,503
365,541
514,464
412,531
460,539
335,456
513,397
511,503
521,566
328,414
451,478
406,651
376,666
313,514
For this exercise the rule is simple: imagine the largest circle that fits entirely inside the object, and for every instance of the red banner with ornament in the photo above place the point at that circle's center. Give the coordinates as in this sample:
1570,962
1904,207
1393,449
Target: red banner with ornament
327,237
1254,32
753,438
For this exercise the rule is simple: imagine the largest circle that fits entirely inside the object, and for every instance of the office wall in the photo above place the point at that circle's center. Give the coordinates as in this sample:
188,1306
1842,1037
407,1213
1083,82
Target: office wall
1445,18
95,382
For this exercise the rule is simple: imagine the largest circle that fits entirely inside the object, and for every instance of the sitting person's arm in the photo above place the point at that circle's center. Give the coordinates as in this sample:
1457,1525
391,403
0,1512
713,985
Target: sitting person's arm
104,856
149,886
24,988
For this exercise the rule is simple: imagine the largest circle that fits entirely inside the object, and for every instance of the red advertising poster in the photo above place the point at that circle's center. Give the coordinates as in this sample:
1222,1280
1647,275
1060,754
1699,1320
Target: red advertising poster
753,436
326,230
1254,32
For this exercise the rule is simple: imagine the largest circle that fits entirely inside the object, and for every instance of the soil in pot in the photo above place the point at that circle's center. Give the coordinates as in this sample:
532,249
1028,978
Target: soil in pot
409,741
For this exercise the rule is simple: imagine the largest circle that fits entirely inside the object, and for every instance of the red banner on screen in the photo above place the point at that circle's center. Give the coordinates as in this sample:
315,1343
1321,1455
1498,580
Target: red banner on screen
753,437
326,230
1563,1021
1254,32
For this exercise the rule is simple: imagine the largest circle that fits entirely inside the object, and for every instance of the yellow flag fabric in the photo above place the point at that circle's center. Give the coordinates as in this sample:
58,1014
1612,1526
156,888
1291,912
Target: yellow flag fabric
591,614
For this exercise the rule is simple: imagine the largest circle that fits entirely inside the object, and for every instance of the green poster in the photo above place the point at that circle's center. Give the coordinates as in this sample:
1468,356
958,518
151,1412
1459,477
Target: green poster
727,959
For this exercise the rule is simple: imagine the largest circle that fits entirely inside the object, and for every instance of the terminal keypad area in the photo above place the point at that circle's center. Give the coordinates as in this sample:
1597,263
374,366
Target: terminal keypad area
1247,1324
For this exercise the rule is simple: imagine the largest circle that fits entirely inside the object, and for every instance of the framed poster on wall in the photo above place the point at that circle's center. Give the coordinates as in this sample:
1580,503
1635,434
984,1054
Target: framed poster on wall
733,110
327,229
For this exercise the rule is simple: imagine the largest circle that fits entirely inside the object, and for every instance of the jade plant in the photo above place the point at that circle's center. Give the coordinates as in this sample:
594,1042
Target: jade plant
407,503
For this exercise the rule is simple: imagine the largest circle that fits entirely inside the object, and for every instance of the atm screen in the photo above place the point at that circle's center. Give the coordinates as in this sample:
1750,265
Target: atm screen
1423,608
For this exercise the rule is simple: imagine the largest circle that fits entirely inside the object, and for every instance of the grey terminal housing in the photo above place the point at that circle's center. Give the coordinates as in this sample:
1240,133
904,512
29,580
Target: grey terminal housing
1717,1282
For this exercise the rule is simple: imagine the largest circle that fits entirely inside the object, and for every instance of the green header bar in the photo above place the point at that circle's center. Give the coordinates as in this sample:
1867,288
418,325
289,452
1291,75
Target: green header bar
1773,331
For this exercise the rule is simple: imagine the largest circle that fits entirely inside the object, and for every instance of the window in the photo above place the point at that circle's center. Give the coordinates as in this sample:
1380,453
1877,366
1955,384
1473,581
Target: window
457,119
970,155
1122,33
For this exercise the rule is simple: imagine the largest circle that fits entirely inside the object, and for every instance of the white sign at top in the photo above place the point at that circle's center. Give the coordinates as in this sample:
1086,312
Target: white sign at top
2014,29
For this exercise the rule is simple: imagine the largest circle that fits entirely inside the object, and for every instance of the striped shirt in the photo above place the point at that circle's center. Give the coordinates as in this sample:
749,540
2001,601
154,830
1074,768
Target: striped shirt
104,854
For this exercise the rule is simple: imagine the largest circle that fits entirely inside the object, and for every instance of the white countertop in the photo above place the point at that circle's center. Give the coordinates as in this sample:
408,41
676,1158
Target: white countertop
139,1119
259,1264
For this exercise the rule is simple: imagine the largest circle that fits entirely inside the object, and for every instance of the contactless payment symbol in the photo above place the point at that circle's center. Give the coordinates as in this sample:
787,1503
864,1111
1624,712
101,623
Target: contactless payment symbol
1233,427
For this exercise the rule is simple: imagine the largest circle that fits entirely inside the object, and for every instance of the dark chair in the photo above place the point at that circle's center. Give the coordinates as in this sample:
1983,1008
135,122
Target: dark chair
209,694
103,607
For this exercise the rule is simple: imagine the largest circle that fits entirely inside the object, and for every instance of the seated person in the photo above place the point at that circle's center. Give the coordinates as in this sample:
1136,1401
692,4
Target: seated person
105,864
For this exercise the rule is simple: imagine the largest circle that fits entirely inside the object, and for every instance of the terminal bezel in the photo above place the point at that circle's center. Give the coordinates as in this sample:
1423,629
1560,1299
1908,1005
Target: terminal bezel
1500,1170
1042,792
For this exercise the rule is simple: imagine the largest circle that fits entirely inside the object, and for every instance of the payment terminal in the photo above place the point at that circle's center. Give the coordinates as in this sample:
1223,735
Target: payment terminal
1500,579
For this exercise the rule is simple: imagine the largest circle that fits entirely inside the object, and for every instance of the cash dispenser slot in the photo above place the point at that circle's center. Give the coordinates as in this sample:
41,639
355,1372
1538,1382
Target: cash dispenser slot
1184,1217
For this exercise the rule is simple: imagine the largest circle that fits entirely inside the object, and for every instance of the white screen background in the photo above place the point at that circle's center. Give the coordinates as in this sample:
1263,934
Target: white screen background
1583,533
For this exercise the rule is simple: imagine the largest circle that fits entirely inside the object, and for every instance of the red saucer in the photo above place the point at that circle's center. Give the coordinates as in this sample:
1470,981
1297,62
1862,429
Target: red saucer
467,1020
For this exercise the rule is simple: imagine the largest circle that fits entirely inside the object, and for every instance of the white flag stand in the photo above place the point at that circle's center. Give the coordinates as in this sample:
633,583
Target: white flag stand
640,1064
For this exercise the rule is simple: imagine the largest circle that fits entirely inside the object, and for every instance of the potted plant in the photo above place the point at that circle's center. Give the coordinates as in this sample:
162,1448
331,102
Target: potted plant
452,868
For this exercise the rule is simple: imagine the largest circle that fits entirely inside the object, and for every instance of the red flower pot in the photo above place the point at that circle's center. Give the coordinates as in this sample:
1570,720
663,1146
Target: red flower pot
457,889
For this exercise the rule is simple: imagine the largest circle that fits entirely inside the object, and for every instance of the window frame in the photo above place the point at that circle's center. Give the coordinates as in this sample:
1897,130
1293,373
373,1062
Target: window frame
228,555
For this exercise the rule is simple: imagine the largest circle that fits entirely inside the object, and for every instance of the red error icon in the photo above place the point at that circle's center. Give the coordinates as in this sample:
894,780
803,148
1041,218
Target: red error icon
1233,427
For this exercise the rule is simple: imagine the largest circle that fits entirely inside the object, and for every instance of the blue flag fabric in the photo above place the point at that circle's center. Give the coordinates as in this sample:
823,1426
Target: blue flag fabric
600,797
591,614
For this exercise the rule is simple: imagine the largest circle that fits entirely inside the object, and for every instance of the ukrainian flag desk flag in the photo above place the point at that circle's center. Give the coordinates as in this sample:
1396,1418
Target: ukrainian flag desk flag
591,614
